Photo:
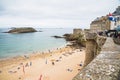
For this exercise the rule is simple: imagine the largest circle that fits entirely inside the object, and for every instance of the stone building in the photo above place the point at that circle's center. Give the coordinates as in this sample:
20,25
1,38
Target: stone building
117,11
114,24
103,23
116,14
100,24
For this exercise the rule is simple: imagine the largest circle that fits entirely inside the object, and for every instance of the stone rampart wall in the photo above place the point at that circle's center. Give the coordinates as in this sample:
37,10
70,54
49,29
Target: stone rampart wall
103,66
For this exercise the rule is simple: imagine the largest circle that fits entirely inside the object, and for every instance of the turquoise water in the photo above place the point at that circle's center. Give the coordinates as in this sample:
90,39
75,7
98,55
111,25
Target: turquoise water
18,44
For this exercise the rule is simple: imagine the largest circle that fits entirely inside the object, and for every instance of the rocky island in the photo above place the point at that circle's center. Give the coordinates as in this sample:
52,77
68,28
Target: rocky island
22,30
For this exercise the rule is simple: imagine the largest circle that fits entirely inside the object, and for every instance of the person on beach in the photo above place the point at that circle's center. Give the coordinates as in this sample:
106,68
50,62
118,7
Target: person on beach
70,70
53,63
42,52
18,68
23,69
40,77
0,71
49,51
81,63
30,63
46,61
80,49
60,57
26,57
26,65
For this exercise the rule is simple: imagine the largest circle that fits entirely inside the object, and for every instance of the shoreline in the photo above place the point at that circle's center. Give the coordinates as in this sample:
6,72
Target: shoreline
34,52
9,65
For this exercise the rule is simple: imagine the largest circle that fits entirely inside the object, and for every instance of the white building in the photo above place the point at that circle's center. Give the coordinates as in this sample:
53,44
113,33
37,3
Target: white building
114,24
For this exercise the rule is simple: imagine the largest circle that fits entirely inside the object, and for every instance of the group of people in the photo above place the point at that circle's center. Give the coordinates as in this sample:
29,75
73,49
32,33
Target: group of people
26,65
109,33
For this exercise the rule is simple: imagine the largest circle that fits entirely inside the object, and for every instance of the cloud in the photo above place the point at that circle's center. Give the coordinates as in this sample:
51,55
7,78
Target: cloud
53,13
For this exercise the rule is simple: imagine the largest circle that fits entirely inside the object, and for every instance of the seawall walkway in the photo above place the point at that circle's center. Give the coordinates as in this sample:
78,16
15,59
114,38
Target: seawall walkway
105,66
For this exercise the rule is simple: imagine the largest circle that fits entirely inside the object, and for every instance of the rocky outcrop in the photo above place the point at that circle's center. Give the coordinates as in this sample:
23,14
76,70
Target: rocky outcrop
78,38
22,30
68,37
57,36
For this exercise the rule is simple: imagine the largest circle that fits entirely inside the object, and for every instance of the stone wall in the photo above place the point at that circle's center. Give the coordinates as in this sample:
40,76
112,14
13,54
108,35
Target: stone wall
117,40
105,66
77,31
94,43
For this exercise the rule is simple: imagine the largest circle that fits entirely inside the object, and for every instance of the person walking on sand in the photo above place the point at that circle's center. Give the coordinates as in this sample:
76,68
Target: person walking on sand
40,77
26,65
53,63
46,61
81,63
23,69
30,63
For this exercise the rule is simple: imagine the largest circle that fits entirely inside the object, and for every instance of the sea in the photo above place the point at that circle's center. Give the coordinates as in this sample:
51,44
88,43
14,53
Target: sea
12,45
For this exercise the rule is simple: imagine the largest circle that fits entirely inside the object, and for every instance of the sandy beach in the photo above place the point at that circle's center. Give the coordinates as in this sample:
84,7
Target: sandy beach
60,64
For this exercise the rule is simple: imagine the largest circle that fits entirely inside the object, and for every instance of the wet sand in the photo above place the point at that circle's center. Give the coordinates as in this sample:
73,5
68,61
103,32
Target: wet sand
59,64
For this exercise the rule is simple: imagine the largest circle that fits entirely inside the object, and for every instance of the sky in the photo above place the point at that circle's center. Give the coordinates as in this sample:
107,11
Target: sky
53,13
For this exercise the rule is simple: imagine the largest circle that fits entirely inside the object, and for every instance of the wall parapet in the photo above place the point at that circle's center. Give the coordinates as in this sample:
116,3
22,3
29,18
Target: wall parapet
94,43
105,66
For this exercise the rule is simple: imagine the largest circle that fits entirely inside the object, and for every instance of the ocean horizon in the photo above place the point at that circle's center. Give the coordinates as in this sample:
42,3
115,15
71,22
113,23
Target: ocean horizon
12,45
